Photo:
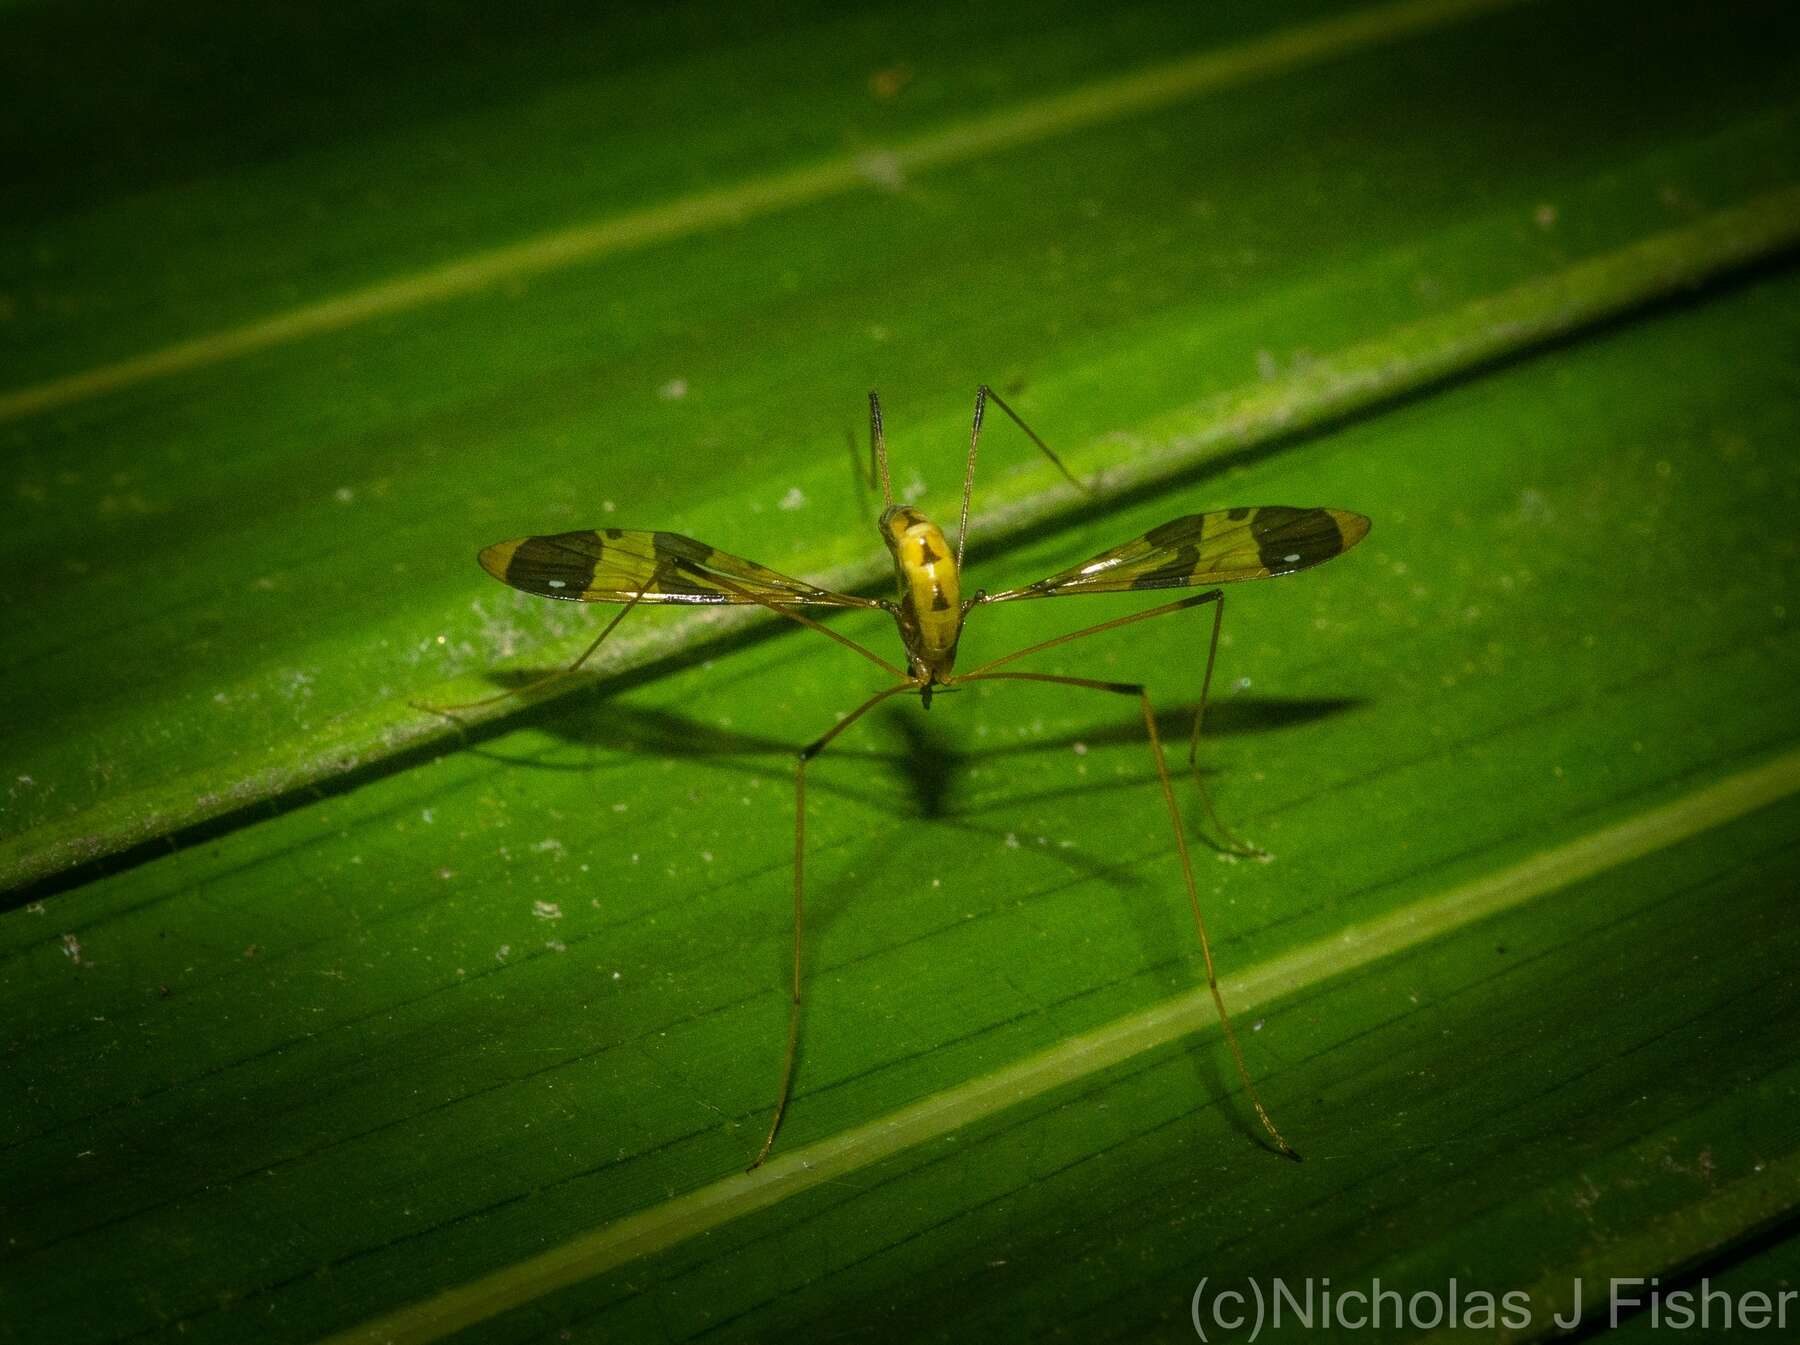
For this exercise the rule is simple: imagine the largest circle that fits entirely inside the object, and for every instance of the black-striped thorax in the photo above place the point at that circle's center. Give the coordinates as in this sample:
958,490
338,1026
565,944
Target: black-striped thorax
930,613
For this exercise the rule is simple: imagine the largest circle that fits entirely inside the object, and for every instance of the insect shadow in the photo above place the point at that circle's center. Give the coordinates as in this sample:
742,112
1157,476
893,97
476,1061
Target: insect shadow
926,761
933,765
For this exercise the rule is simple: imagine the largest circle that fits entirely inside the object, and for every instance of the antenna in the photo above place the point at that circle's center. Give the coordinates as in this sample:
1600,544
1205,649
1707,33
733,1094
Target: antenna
878,448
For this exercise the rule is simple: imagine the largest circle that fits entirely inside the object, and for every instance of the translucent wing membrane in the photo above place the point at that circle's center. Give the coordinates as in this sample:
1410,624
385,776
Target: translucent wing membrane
1216,548
617,565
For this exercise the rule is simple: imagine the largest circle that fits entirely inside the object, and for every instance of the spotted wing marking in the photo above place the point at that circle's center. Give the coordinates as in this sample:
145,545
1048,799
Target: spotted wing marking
620,565
1217,548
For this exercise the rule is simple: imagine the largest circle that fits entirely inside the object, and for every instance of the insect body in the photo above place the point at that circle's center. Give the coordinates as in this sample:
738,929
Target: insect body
616,565
930,611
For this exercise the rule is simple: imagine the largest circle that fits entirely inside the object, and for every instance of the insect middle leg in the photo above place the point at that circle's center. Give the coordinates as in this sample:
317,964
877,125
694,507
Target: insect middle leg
807,753
1181,848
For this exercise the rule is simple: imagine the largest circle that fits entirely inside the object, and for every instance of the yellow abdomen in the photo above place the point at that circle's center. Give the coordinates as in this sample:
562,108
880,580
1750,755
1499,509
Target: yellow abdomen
930,590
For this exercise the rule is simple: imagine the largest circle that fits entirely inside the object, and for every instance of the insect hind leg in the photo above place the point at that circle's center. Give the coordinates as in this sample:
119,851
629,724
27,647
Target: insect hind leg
806,754
1187,868
1235,844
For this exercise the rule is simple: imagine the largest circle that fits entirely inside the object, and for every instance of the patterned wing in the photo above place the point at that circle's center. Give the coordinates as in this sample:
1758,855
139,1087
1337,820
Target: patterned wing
1216,548
618,565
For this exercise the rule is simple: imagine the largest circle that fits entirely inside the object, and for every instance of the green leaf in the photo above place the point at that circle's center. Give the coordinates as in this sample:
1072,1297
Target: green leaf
323,1018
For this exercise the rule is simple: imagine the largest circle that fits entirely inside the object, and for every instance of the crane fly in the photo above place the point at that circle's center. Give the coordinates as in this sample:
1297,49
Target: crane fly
619,565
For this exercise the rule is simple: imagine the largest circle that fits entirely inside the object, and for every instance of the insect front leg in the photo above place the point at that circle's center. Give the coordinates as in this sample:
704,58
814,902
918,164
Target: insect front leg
449,711
983,395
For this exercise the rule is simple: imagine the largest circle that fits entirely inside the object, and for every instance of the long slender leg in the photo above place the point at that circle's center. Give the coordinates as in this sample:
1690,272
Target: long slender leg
1234,843
828,633
1187,865
982,395
546,680
1131,618
807,753
1241,846
587,653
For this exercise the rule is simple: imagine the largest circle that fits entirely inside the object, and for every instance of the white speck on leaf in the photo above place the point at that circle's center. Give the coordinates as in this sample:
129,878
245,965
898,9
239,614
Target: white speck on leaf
882,169
546,910
1534,506
794,499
